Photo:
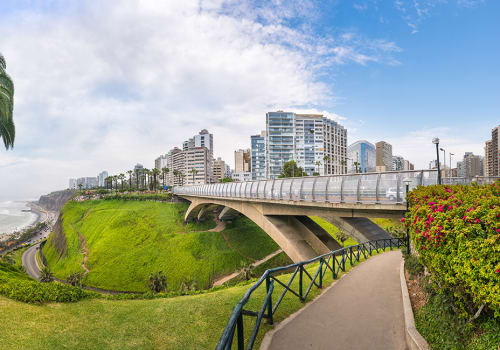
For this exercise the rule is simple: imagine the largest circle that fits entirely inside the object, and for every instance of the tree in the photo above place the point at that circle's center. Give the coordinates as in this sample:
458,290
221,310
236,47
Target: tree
164,171
356,166
226,179
46,275
318,164
325,160
341,236
137,179
194,172
75,279
7,127
157,282
155,173
121,177
130,172
80,186
290,169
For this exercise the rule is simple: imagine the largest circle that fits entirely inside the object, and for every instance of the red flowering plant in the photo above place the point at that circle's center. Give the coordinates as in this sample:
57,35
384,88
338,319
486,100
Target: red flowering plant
456,232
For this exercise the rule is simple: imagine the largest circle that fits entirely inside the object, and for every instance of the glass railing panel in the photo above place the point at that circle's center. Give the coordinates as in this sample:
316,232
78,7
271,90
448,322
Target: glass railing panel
368,188
334,188
388,188
320,189
350,189
237,189
295,192
260,191
285,189
277,188
255,185
269,189
307,189
429,178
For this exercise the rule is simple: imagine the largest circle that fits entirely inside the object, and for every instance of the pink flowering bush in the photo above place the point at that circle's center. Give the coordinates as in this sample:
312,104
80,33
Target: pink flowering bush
456,231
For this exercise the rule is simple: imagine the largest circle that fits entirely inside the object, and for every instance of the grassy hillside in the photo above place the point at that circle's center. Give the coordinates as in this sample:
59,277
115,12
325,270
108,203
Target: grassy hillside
128,240
187,322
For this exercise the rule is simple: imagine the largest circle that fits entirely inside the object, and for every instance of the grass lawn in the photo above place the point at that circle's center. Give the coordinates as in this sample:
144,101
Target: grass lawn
188,322
332,230
128,240
16,256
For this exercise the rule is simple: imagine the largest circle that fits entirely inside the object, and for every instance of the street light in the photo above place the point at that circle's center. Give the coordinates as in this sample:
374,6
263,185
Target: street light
451,154
436,142
407,182
444,160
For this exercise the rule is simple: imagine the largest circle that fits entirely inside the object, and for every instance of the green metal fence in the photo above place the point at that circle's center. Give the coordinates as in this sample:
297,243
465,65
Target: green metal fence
332,262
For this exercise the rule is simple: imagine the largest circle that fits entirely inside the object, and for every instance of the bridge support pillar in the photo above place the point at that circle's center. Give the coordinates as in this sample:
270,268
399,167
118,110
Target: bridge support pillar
361,229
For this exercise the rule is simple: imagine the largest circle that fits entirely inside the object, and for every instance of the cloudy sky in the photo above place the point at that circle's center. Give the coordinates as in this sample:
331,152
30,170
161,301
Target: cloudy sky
107,84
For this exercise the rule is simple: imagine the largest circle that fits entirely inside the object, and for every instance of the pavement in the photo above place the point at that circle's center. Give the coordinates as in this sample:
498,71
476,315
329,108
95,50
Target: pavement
362,310
29,261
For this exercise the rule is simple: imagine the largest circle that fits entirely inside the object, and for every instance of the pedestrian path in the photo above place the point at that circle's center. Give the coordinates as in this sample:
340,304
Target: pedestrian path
362,310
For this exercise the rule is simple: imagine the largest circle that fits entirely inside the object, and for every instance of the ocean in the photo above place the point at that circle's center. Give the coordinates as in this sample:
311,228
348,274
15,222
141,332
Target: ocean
13,218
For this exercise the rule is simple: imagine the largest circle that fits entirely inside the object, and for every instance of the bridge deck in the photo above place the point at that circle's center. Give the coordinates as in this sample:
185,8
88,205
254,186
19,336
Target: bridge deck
363,310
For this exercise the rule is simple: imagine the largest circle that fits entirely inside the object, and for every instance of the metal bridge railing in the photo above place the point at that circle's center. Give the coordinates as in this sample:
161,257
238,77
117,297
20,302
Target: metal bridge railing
383,188
332,262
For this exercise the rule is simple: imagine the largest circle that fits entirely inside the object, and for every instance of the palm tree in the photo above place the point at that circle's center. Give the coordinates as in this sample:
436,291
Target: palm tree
164,171
318,164
130,172
136,179
194,172
121,177
7,127
325,160
155,173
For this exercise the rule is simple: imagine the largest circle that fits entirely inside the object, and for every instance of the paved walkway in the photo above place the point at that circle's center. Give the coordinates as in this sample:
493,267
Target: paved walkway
362,310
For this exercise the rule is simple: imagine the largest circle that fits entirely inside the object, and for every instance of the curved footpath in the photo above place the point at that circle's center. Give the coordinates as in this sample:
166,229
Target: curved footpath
362,310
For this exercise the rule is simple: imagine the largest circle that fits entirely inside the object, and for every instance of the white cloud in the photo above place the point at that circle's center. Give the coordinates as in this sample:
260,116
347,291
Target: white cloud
103,85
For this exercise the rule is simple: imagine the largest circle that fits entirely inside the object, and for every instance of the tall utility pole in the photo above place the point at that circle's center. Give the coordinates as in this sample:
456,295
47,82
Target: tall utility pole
444,160
436,142
451,154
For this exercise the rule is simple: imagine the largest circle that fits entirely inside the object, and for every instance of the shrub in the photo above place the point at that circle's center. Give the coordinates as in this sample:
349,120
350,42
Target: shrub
456,231
413,265
157,282
75,279
46,275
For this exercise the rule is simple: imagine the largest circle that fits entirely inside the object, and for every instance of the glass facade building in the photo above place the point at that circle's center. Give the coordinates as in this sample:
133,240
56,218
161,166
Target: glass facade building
316,143
258,156
364,154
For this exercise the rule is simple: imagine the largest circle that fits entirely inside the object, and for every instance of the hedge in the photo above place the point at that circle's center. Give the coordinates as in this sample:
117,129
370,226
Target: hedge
456,232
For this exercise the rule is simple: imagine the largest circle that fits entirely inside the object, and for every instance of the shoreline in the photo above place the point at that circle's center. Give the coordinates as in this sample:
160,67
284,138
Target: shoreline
35,209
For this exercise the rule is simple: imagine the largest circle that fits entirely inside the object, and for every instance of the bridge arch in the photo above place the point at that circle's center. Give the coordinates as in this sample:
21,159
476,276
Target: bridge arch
299,237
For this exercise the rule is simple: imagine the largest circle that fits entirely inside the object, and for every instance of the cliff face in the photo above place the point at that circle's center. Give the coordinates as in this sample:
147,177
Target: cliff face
55,200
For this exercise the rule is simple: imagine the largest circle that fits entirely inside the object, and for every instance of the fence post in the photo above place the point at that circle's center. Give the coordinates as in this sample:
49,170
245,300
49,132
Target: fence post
241,337
270,302
321,273
300,282
344,258
334,275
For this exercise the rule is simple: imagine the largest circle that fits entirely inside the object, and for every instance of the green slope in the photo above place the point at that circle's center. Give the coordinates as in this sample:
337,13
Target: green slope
127,240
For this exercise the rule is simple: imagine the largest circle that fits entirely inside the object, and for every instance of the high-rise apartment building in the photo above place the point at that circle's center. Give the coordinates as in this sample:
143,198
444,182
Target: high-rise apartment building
361,157
176,167
383,156
316,143
161,162
472,165
101,178
398,163
198,166
258,156
72,184
408,166
242,160
220,170
492,154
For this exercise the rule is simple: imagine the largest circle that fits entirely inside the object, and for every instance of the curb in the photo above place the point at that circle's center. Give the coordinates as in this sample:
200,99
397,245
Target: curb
414,339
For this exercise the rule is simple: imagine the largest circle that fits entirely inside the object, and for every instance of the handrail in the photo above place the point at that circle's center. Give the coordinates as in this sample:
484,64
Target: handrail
327,261
369,188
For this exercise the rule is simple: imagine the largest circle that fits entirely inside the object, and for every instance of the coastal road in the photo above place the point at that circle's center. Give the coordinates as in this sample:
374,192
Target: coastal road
29,261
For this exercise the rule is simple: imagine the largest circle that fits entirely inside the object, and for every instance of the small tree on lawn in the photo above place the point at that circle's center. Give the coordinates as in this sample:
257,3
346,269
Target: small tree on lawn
157,282
75,279
46,275
342,237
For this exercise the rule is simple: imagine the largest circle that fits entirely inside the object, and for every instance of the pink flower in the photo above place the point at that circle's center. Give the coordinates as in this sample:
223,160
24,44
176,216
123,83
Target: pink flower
448,190
497,271
498,230
478,221
402,219
450,207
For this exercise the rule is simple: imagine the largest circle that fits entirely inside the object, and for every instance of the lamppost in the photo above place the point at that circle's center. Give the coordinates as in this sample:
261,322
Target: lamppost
451,154
407,182
444,160
436,142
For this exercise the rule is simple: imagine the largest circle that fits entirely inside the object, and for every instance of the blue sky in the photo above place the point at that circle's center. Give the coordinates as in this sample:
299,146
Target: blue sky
104,85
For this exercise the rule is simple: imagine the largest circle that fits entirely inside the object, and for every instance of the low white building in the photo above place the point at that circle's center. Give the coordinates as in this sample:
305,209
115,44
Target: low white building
241,176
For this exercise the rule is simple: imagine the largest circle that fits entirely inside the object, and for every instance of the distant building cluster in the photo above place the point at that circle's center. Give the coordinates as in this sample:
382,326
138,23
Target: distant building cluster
316,143
88,182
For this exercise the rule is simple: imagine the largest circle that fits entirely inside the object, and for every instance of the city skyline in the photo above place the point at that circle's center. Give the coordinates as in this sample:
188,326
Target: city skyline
371,67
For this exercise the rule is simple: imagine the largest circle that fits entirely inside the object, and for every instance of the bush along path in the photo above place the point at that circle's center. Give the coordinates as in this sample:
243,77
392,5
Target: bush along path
456,234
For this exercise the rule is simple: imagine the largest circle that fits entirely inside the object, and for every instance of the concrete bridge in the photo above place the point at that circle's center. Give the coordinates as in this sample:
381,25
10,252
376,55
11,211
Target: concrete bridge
282,207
